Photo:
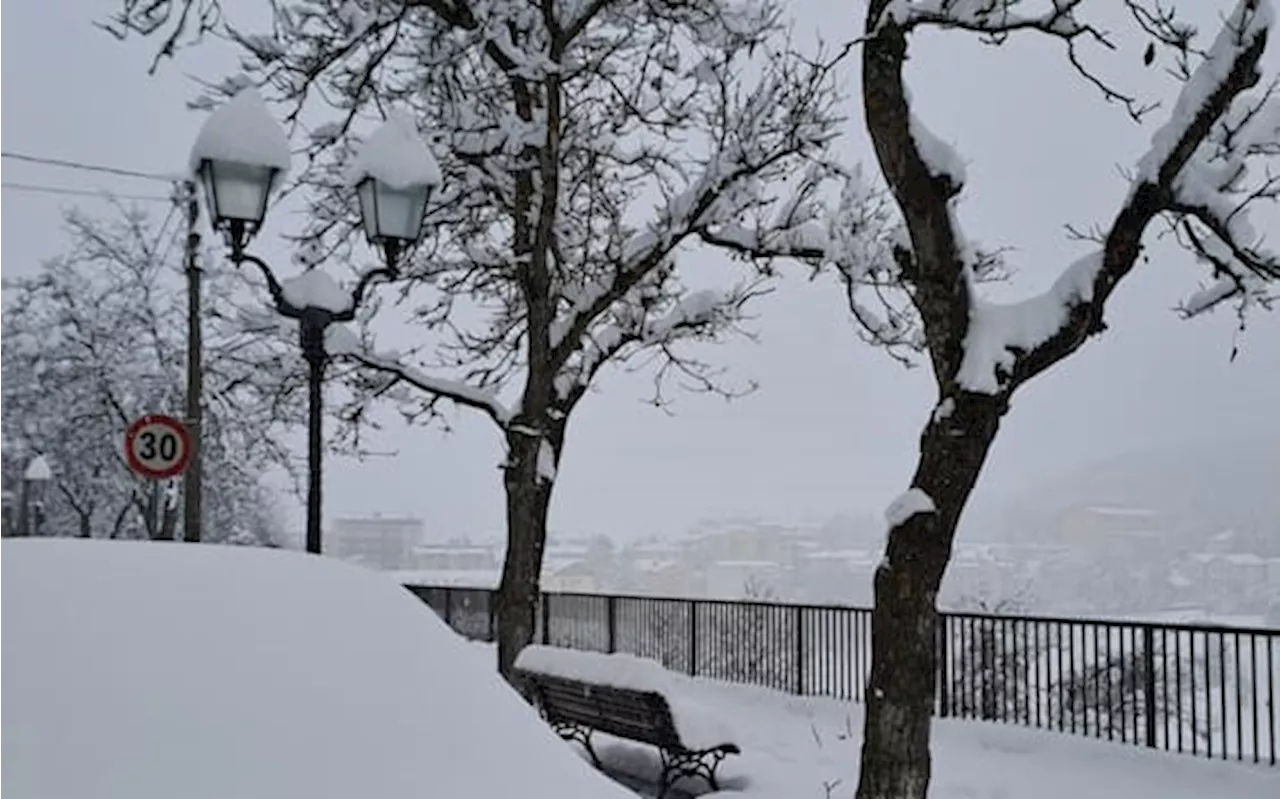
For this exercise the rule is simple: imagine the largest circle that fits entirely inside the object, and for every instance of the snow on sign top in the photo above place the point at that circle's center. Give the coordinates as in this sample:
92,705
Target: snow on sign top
341,340
395,155
314,288
242,130
392,700
38,469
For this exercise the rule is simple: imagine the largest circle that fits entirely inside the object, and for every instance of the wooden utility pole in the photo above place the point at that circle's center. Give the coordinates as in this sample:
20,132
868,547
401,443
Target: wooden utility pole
192,479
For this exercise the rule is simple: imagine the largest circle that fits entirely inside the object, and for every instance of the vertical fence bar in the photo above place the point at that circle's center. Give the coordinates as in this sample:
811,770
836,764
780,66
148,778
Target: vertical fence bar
1028,662
1059,679
1271,699
1191,678
692,607
944,693
1235,649
801,656
611,624
1122,697
544,600
1222,689
1149,683
1253,684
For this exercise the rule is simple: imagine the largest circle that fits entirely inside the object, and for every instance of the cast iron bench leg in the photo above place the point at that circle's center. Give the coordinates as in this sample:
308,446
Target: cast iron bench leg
690,764
574,732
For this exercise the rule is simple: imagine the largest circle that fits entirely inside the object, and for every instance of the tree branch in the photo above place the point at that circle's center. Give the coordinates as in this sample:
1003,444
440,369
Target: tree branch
459,393
924,190
1204,101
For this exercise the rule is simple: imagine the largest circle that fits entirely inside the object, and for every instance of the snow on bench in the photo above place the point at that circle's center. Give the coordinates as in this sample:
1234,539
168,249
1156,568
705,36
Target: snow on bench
697,725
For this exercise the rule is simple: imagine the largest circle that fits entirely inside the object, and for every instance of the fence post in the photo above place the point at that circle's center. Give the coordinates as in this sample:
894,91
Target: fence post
493,595
611,620
944,657
545,602
798,621
693,637
1149,682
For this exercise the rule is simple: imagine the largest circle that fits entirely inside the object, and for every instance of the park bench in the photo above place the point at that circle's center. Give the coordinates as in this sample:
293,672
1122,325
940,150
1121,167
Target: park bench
576,708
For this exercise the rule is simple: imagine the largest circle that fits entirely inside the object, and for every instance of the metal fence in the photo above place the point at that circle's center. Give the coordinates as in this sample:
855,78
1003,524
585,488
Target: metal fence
1200,689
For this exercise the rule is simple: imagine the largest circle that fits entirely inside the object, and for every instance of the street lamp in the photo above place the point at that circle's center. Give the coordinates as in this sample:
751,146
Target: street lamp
240,157
34,480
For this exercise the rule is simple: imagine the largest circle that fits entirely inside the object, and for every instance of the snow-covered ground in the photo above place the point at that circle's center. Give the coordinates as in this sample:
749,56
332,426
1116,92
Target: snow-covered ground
150,671
806,748
139,670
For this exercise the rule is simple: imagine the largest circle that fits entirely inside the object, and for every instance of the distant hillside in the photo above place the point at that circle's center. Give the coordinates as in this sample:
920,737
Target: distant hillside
1198,490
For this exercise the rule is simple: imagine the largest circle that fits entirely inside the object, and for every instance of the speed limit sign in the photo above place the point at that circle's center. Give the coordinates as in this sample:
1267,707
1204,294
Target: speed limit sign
157,446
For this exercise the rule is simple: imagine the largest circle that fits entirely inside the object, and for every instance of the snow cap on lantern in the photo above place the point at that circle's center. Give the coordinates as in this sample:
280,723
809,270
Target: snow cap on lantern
240,156
394,173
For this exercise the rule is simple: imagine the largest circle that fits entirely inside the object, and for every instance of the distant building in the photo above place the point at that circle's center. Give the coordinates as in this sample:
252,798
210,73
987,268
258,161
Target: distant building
378,542
1112,524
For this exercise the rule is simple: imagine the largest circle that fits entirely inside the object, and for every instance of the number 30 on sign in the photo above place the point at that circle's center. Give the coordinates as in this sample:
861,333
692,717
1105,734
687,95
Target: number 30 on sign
157,447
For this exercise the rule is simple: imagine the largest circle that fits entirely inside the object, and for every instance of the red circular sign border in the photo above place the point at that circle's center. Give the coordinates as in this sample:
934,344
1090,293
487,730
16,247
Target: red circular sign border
179,429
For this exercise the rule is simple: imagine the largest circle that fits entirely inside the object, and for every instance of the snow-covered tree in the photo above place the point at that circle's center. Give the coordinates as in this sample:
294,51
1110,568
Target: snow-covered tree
913,278
582,143
95,339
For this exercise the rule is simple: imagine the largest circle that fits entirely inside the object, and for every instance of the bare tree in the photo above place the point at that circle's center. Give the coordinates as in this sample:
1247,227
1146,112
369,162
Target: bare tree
95,339
917,281
582,144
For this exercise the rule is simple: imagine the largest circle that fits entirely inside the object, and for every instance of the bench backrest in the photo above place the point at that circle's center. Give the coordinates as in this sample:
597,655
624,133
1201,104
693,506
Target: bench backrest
634,715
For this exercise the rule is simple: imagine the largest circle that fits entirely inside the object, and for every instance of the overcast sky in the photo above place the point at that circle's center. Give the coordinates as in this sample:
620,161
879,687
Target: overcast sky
834,425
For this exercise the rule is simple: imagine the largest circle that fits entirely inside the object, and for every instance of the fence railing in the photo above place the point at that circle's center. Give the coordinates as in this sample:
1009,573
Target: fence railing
1201,689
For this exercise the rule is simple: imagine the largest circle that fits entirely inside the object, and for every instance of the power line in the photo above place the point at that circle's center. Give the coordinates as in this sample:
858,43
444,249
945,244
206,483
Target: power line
110,170
100,193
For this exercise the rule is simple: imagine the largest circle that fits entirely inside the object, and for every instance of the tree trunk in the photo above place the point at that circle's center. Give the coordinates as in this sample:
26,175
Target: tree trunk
903,686
528,498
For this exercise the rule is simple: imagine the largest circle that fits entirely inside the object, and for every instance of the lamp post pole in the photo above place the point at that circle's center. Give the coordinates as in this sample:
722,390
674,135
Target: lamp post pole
313,323
193,477
240,155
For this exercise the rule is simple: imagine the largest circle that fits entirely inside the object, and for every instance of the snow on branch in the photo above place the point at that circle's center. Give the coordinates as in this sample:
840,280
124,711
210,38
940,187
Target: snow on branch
992,17
655,316
996,20
342,342
1198,175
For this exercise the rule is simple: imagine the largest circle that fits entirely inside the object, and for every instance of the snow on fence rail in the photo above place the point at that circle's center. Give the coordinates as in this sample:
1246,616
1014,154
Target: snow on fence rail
1199,689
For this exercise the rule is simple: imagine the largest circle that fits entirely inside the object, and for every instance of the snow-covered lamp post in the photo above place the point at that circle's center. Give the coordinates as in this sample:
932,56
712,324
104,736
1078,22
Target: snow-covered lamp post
34,480
240,157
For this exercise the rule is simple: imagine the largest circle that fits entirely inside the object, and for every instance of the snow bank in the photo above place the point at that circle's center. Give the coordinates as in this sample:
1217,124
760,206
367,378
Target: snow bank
697,725
242,130
395,155
314,288
154,671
